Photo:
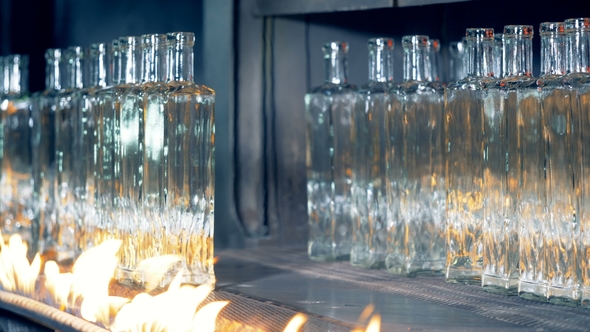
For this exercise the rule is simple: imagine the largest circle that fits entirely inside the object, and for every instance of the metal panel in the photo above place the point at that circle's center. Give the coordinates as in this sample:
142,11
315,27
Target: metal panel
289,7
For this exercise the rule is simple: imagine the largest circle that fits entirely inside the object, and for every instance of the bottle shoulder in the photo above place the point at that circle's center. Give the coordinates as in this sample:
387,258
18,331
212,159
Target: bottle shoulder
329,89
470,84
419,87
375,87
190,88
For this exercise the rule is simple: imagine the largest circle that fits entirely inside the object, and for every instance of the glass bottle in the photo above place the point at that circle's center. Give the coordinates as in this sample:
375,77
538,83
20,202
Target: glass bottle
369,245
16,185
417,240
464,160
498,54
125,64
87,104
1,77
190,115
456,63
43,108
578,35
330,147
68,144
502,162
434,60
533,216
140,231
568,258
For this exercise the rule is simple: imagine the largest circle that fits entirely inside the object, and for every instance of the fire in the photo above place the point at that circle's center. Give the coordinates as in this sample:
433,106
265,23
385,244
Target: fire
85,292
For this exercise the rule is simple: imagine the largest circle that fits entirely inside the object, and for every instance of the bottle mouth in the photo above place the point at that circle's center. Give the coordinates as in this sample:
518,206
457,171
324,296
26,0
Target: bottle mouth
335,46
435,45
577,24
180,38
456,47
479,34
511,31
129,41
381,43
415,41
153,40
552,28
98,48
52,54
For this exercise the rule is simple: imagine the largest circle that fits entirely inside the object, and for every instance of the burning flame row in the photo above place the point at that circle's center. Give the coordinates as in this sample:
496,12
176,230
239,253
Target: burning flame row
84,293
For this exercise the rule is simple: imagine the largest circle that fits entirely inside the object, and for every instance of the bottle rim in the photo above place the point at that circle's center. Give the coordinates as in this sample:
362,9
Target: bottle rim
552,28
479,34
381,42
415,41
512,31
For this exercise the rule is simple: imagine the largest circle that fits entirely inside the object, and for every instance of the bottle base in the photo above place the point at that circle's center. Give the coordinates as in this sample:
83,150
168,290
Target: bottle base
463,275
367,260
585,298
563,296
323,253
413,268
499,285
532,291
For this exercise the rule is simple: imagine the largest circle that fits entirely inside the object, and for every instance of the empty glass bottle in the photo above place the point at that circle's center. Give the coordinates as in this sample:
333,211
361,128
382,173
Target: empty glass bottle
464,160
43,108
126,67
330,140
369,245
190,122
417,240
16,185
578,35
502,159
87,104
533,216
139,229
68,148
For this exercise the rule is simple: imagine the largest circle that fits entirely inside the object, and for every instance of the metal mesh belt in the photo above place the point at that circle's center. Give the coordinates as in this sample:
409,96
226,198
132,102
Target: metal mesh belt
511,309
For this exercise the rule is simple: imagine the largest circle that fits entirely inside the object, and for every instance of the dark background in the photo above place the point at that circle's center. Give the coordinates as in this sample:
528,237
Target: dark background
260,68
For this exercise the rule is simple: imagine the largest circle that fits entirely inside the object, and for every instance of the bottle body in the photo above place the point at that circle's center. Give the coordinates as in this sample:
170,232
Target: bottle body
190,187
418,239
581,105
43,106
16,182
532,210
464,179
329,115
502,163
369,190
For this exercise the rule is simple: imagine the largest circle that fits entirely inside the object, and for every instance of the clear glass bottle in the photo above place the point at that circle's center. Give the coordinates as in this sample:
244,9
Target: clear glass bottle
190,115
498,54
369,245
456,63
139,230
464,160
68,148
578,36
43,108
16,185
565,122
417,241
88,103
502,159
126,67
533,216
329,110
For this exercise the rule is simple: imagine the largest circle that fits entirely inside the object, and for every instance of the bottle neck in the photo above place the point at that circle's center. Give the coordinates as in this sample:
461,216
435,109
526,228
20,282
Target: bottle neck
498,55
99,75
380,64
479,56
16,72
73,78
180,62
154,59
115,62
579,51
336,66
52,71
553,54
416,59
517,56
130,64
